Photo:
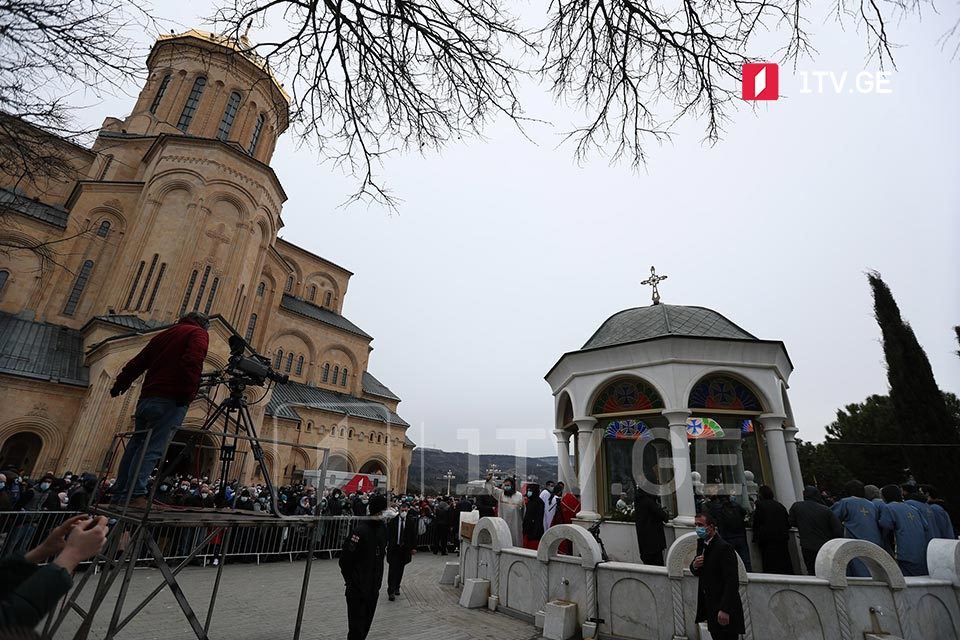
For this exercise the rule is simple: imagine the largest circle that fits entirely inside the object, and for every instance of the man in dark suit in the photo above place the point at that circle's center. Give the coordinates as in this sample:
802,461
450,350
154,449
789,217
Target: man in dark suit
650,517
401,546
361,563
718,592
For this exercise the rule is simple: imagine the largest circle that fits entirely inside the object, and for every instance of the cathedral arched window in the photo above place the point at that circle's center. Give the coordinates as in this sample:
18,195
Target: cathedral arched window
193,100
326,372
251,326
162,90
104,229
213,294
156,285
326,299
260,288
289,363
299,365
313,292
336,373
289,286
229,115
186,296
78,285
343,378
279,359
4,276
255,138
203,287
146,283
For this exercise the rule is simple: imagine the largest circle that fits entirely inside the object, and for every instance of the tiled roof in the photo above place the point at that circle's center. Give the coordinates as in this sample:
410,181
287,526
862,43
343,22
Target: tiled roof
128,322
407,442
661,320
42,351
373,387
321,314
33,209
287,397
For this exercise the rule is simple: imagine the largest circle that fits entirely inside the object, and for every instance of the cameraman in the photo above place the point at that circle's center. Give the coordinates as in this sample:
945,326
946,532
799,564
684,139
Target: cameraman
173,362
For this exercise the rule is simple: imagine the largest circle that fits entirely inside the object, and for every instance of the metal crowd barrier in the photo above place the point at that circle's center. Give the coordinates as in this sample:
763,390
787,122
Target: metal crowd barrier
23,530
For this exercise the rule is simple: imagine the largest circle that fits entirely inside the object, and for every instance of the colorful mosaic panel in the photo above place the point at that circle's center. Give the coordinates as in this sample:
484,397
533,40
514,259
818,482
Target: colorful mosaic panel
721,392
703,428
747,427
628,429
627,395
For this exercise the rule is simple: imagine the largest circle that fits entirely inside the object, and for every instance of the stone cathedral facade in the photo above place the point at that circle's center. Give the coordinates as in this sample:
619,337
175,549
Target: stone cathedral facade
175,208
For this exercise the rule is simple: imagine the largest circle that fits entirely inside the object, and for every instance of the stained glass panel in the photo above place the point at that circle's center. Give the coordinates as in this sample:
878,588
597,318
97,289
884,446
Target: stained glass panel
703,428
628,429
627,395
722,392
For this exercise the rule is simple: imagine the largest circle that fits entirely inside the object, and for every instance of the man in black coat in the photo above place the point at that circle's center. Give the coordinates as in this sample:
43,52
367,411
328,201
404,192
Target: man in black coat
771,532
650,518
361,563
815,524
718,592
401,546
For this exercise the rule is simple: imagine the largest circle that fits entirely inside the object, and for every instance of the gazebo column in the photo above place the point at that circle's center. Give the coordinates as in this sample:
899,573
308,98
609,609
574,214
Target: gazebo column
683,483
779,460
564,469
789,437
587,474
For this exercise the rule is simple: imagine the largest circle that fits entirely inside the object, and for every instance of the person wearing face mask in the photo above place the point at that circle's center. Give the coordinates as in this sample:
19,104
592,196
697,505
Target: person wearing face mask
361,564
718,589
360,504
5,502
509,506
334,508
401,547
40,497
550,502
533,518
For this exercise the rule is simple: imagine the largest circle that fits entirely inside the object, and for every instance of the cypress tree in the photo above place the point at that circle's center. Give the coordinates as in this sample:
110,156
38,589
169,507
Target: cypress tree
917,402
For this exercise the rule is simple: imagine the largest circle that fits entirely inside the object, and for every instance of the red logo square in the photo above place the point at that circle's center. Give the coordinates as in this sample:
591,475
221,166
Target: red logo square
761,81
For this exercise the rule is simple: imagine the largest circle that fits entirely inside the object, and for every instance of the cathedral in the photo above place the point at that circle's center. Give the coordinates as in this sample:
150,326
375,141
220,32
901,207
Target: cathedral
174,209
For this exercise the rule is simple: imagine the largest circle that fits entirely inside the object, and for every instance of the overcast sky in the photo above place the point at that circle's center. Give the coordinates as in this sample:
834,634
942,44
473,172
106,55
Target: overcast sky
505,253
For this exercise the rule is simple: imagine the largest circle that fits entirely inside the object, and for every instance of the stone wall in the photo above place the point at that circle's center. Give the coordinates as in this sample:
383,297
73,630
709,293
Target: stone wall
634,601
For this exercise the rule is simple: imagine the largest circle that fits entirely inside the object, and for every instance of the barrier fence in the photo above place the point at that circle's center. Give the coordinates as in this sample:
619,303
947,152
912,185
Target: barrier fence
23,530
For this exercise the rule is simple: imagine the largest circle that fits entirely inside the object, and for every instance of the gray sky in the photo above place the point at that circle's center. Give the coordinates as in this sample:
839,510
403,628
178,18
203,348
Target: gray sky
505,254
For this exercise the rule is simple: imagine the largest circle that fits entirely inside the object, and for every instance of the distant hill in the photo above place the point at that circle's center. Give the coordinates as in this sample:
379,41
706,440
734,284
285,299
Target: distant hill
429,465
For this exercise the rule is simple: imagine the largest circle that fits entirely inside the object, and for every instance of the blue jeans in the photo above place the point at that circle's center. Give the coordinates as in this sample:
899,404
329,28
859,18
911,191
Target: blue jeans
163,416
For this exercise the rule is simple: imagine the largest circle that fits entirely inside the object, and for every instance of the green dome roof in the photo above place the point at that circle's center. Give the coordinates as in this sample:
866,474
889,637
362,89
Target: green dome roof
661,320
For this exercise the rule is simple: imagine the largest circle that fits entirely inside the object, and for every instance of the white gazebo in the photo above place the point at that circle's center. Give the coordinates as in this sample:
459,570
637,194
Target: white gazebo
677,400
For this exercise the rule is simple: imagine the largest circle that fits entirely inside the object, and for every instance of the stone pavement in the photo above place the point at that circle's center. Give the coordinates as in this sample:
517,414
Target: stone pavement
260,603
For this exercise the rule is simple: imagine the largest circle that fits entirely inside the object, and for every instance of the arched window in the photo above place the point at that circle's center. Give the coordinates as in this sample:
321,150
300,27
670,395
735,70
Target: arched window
78,286
4,274
229,115
191,106
108,160
203,286
136,281
255,138
309,426
371,437
341,432
260,288
156,285
299,365
289,363
326,371
213,294
289,286
326,299
186,296
378,438
279,360
350,433
146,283
343,378
251,326
336,373
162,90
313,292
104,229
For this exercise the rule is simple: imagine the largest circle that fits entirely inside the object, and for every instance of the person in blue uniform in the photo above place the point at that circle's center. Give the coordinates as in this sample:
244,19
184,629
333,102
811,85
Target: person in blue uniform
861,521
361,563
944,524
909,529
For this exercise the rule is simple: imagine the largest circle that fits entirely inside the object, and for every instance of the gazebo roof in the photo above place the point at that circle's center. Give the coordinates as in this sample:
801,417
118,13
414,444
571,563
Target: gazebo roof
661,320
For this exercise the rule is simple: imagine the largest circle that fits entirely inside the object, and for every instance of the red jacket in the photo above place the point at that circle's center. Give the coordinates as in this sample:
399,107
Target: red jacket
173,361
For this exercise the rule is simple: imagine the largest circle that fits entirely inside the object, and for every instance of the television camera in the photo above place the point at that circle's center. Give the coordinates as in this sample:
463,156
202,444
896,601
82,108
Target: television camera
244,370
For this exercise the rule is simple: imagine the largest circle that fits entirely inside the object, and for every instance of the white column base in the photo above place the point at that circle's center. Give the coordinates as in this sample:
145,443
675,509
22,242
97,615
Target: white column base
475,593
560,620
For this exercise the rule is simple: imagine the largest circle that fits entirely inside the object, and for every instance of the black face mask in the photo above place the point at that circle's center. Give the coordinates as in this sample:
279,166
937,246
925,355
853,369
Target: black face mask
509,490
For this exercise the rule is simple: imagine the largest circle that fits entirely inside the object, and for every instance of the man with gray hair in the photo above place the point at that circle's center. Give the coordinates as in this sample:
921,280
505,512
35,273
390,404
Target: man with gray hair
173,362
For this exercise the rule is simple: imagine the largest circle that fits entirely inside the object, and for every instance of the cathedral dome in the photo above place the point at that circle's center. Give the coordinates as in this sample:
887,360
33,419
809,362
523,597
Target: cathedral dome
663,320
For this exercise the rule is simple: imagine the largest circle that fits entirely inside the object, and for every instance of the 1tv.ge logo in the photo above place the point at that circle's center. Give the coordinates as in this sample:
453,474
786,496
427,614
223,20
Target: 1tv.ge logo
761,81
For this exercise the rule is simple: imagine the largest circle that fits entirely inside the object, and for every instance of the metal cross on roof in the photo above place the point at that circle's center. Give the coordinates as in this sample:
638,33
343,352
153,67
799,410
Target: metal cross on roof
653,281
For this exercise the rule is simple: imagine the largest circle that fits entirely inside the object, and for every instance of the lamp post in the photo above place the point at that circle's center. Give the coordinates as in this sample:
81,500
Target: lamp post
448,476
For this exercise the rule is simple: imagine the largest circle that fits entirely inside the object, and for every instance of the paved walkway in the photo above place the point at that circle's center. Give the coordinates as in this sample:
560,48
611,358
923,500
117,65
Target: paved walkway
260,603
